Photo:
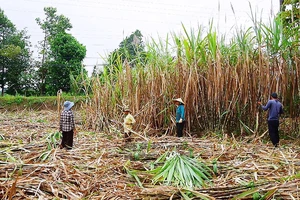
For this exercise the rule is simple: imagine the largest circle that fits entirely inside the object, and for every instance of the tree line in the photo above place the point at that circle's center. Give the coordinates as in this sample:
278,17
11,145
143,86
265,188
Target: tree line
60,56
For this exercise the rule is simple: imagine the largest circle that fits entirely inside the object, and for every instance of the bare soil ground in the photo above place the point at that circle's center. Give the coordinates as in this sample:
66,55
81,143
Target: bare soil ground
32,168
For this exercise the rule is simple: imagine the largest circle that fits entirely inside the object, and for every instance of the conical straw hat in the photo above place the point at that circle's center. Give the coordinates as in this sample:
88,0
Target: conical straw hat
179,100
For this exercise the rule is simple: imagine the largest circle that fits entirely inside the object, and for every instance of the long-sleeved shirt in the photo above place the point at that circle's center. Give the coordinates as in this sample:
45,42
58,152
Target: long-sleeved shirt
275,109
128,122
180,113
66,121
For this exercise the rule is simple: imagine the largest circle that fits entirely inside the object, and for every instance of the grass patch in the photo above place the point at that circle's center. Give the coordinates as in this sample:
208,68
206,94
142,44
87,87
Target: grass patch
9,102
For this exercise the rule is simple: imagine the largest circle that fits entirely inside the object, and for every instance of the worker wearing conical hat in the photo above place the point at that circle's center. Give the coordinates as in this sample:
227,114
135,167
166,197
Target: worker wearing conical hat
67,125
180,119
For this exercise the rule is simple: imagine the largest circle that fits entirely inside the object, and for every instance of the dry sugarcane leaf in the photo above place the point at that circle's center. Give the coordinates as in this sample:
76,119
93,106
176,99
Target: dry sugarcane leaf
94,168
12,190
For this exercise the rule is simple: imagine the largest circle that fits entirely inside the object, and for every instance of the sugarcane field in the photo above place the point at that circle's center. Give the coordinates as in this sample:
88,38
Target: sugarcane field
167,107
101,166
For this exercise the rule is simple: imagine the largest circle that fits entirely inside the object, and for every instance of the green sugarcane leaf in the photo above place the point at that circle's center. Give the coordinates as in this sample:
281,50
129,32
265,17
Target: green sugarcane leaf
134,175
182,170
186,197
198,171
196,178
188,170
269,194
203,168
161,158
245,194
201,195
45,155
164,171
182,176
171,171
10,158
186,173
197,174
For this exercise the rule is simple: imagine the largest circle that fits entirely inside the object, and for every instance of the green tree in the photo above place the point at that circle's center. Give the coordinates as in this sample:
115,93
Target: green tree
290,16
52,25
20,73
67,54
131,49
15,56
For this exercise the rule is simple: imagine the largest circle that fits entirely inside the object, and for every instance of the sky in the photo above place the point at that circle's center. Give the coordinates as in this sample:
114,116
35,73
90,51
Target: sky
101,25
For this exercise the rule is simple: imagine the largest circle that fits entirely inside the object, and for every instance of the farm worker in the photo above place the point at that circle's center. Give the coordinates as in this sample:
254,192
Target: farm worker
67,125
275,109
180,119
128,123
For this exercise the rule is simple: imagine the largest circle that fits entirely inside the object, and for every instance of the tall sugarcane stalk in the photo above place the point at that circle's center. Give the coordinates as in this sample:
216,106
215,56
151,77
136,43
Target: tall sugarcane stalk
219,79
59,93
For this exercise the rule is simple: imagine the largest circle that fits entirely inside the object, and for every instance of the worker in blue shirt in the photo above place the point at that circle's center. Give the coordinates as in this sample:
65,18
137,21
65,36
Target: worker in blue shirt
180,119
275,109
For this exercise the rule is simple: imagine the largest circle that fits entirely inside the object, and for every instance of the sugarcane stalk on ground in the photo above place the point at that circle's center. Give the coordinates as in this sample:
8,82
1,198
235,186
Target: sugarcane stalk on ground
97,165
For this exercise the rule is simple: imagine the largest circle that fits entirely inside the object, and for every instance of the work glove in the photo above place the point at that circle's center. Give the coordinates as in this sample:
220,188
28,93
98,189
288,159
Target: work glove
180,121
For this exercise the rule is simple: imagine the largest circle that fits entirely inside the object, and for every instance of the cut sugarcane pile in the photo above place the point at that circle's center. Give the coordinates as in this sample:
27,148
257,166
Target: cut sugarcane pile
32,167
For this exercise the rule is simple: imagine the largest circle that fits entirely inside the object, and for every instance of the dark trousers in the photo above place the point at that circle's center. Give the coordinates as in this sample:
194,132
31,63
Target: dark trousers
67,139
127,137
179,129
273,126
